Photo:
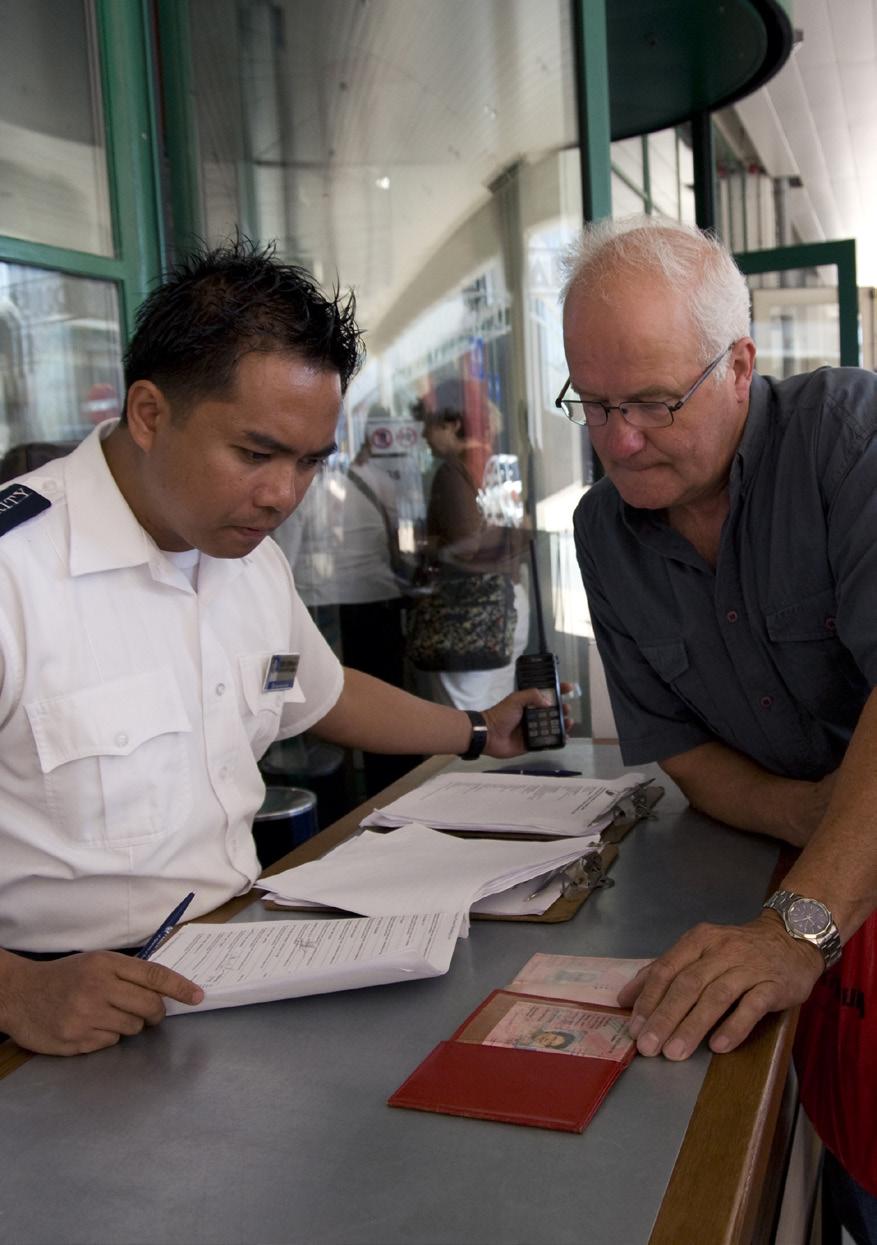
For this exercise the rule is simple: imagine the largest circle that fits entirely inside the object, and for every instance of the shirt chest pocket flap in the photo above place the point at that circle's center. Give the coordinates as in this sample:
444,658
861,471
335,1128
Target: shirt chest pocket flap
114,769
263,719
816,666
669,661
810,619
672,664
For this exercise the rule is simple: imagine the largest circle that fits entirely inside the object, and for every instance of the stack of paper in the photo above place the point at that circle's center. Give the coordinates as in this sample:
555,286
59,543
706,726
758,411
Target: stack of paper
417,869
510,803
266,960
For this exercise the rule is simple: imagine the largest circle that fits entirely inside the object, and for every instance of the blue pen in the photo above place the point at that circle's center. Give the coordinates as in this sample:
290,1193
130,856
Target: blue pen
538,771
165,928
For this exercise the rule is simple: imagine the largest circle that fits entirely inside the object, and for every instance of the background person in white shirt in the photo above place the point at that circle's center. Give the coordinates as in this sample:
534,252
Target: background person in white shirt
339,547
140,606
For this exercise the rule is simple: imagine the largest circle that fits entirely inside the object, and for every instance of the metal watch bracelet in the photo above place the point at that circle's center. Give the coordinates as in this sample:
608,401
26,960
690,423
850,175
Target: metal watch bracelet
826,940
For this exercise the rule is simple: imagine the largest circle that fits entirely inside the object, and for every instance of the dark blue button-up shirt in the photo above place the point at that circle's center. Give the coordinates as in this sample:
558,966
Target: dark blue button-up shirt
775,651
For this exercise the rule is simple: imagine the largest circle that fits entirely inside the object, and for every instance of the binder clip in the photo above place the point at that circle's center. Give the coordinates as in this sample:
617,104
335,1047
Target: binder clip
585,874
634,807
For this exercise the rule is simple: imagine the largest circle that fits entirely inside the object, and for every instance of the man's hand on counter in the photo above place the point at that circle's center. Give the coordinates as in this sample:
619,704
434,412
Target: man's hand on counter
84,1002
739,972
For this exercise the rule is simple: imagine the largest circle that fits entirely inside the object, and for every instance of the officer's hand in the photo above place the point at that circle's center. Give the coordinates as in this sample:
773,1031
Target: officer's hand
739,972
504,721
85,1002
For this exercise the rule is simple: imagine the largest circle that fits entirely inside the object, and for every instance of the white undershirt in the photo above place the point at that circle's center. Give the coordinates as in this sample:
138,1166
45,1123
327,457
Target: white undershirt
187,561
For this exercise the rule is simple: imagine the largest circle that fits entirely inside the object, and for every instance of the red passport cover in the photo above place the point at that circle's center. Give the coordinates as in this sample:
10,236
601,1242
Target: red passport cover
545,1089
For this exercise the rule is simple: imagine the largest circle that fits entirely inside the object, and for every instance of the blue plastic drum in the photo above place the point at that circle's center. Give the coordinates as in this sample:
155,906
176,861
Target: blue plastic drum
287,817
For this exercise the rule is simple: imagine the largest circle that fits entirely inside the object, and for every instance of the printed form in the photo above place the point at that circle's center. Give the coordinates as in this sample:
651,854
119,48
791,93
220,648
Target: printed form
424,870
506,803
260,961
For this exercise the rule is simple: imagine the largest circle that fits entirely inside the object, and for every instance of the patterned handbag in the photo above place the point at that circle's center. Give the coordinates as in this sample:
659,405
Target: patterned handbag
467,622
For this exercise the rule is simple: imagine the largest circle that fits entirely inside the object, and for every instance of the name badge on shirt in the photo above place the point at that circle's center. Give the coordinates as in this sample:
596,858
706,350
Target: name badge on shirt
281,672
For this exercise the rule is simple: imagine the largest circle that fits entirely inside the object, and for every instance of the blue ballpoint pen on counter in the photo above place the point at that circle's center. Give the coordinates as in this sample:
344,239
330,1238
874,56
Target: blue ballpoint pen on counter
165,928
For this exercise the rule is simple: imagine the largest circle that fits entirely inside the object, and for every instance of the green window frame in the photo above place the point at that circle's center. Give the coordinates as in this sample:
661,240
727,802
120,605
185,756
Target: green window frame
841,254
130,123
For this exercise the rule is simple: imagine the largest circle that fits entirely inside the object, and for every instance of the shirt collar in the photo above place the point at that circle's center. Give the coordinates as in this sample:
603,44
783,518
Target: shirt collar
755,431
105,534
652,530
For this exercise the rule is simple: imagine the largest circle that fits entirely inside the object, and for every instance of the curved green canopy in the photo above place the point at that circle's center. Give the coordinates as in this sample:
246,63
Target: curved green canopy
671,59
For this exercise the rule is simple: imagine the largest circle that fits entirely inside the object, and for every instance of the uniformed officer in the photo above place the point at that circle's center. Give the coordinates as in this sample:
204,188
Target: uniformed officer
148,633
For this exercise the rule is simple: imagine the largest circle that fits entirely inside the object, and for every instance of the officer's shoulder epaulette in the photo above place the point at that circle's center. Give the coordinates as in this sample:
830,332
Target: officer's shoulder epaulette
18,503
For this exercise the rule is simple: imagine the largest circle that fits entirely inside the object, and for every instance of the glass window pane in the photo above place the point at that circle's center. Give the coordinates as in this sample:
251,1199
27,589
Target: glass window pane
795,320
685,157
425,154
665,185
664,173
625,201
627,159
60,355
52,154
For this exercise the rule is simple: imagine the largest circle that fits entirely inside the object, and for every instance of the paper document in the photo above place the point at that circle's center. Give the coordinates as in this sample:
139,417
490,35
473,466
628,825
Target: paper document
261,961
530,898
424,870
583,978
510,803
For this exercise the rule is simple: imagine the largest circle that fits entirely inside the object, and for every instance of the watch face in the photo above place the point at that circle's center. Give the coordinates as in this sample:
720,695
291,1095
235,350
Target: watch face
807,916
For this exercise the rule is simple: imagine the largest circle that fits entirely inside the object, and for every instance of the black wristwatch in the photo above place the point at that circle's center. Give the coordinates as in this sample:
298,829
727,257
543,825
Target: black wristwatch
478,742
809,921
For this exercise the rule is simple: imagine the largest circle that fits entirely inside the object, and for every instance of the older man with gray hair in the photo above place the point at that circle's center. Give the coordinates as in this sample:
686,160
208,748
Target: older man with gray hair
730,561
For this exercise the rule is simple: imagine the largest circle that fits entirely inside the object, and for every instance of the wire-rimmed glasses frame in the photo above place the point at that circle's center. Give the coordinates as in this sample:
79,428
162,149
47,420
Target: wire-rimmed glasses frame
653,414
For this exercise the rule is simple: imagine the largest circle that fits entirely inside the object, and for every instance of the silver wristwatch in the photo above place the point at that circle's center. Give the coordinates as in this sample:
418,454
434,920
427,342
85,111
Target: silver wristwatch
809,920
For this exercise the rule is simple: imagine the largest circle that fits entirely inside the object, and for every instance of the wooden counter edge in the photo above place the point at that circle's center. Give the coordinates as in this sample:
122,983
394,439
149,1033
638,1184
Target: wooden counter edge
715,1192
719,1184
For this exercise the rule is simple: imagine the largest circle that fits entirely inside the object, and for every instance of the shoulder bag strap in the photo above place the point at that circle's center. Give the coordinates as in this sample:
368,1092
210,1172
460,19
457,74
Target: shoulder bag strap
392,536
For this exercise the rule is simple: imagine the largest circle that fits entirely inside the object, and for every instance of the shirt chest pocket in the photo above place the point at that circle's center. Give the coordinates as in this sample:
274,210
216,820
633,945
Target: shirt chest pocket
114,770
671,663
810,620
814,664
261,710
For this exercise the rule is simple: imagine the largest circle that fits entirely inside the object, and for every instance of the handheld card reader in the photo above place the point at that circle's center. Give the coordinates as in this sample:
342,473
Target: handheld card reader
543,725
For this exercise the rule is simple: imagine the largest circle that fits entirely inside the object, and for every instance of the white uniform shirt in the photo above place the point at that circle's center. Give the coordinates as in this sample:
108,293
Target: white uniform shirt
132,715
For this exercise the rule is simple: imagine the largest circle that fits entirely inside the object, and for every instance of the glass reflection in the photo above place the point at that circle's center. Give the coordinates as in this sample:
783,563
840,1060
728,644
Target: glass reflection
796,326
52,150
426,155
60,355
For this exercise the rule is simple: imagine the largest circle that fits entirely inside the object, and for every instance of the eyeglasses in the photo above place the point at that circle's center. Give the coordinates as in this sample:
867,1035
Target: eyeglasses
637,414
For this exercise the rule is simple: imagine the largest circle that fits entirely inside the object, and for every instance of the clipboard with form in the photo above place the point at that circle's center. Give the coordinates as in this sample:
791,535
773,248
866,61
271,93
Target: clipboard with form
494,802
492,876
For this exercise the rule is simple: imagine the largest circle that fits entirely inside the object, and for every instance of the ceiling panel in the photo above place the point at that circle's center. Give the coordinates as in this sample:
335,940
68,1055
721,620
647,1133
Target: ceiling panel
817,119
